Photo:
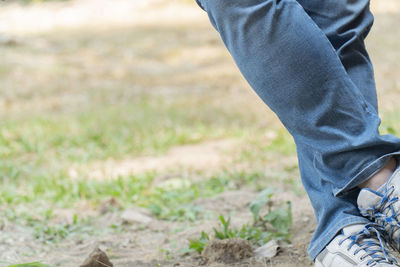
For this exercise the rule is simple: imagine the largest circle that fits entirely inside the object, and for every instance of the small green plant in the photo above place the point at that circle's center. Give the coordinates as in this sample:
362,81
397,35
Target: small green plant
199,244
45,232
167,253
226,232
280,218
259,202
275,224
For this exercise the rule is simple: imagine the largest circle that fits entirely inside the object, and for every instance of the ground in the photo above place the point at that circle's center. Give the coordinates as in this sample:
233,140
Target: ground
126,125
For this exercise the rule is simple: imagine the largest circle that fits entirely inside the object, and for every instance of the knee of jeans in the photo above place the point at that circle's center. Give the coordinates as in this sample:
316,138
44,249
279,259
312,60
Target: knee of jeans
229,12
221,6
228,9
219,11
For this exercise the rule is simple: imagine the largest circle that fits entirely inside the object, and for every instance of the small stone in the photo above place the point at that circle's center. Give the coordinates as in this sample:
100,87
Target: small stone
268,250
97,259
133,216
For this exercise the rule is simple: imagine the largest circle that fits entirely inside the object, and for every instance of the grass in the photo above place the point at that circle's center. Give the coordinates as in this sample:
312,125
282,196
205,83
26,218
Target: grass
145,126
171,204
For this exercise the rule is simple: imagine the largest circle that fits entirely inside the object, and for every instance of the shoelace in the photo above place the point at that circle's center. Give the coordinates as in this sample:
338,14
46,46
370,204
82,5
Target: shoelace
380,212
370,240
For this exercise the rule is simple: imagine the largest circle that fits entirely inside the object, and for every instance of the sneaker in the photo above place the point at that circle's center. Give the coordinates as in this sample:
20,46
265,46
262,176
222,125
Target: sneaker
383,208
356,245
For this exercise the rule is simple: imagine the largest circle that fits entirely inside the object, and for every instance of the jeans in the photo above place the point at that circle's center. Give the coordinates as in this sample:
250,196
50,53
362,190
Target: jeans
307,61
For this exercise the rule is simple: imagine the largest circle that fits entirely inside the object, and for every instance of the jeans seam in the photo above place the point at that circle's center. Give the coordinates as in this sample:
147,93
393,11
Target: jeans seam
316,153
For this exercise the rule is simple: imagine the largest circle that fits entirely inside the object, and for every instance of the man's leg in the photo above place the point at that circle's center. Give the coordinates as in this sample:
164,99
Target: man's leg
346,23
292,65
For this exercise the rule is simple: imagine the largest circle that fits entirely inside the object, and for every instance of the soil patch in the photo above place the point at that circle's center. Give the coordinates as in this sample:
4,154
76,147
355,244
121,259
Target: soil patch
97,258
203,156
228,250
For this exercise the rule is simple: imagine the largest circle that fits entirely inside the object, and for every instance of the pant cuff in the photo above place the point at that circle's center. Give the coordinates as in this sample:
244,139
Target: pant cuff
365,174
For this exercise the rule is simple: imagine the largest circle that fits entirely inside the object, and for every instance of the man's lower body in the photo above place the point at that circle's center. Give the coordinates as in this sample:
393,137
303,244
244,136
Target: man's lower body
307,61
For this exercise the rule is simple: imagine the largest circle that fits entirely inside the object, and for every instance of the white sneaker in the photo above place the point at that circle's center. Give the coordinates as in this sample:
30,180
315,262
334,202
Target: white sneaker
357,245
384,208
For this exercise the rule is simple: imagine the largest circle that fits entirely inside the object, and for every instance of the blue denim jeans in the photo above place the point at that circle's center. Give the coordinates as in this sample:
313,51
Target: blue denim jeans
307,61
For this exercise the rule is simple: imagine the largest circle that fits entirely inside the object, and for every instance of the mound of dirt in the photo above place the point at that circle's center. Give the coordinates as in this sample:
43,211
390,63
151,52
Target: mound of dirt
109,205
227,250
97,259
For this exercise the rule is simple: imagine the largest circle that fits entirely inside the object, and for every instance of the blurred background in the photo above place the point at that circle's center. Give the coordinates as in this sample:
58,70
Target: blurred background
111,109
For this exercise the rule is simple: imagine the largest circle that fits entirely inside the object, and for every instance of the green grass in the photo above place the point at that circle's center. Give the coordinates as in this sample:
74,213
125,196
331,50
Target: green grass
172,204
34,201
145,126
46,145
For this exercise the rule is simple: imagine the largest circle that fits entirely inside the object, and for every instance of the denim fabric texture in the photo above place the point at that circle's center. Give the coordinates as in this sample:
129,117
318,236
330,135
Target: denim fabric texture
307,61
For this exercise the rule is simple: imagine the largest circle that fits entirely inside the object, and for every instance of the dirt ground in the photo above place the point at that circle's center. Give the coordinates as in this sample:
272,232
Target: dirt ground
135,245
149,241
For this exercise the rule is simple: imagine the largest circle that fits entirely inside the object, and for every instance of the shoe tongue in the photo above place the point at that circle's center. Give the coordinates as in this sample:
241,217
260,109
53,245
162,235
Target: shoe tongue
353,229
368,198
